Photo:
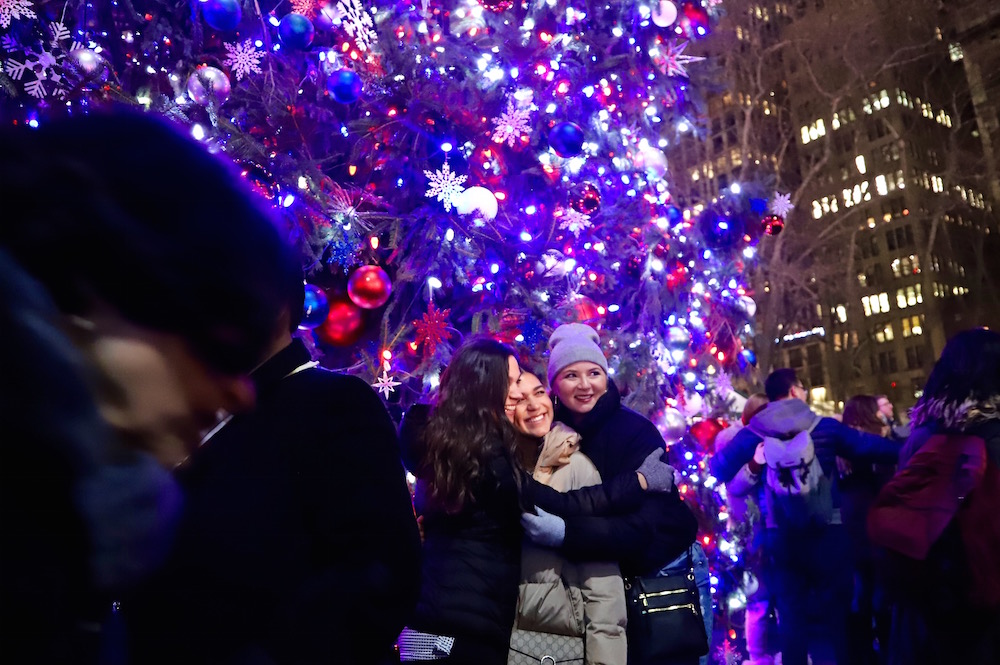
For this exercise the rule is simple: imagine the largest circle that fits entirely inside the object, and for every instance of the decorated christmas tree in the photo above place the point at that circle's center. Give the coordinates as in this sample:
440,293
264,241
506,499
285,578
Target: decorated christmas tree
448,167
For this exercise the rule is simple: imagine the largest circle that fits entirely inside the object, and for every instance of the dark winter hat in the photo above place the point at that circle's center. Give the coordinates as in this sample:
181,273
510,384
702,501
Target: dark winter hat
571,343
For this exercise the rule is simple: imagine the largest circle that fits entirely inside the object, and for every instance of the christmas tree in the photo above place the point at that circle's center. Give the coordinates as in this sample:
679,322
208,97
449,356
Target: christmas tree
448,167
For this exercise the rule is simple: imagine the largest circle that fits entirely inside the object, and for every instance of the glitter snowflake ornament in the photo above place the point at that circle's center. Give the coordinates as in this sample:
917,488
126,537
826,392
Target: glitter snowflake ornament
358,23
243,59
15,9
385,384
444,185
305,7
572,220
674,62
781,204
514,122
432,329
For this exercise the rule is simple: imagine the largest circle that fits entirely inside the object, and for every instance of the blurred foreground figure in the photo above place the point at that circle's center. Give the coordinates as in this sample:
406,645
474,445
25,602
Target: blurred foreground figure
139,285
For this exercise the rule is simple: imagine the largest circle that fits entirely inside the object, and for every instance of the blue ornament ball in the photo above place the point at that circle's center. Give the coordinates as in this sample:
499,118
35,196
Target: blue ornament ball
315,308
222,14
296,31
344,86
566,138
674,215
747,357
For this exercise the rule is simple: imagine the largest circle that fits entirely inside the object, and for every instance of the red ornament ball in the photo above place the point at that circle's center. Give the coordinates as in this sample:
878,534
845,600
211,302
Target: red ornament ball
705,431
497,5
343,324
586,198
369,287
773,224
581,309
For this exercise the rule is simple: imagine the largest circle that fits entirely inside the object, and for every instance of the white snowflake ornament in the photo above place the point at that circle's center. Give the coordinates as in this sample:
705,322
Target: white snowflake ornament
386,384
15,9
444,185
358,23
572,220
40,68
243,59
513,123
781,204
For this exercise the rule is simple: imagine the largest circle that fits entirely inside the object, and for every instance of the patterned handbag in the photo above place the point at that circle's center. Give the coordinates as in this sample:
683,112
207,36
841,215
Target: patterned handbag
530,648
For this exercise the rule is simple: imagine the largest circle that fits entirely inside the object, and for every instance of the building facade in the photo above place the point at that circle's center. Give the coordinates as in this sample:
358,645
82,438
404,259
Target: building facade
863,111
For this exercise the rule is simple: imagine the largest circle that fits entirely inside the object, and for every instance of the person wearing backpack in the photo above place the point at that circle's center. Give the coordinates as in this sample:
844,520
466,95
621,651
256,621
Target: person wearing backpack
805,543
937,517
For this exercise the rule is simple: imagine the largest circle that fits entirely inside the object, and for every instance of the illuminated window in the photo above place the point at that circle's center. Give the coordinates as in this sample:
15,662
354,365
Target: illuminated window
912,325
875,304
859,161
884,334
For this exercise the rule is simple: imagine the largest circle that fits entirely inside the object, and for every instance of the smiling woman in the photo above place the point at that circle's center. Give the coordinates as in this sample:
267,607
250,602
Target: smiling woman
614,438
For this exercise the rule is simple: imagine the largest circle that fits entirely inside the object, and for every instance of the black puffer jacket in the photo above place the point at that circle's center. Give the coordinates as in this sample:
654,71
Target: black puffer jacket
472,560
643,540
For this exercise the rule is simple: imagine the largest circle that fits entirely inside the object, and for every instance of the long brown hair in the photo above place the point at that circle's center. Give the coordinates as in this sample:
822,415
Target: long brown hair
468,425
861,413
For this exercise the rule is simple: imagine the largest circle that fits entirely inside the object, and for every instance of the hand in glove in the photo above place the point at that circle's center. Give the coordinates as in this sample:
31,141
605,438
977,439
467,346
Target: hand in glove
659,475
544,528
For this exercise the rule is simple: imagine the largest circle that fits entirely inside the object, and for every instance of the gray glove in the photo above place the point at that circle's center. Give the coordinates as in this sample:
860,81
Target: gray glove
658,474
544,528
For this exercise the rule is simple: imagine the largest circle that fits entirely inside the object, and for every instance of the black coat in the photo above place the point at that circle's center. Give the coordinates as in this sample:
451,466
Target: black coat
472,560
299,543
617,440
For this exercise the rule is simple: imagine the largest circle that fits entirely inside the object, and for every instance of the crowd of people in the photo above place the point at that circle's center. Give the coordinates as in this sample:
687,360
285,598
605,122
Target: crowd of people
183,482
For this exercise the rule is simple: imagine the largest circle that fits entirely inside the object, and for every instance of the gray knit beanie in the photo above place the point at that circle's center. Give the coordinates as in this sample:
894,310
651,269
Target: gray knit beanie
574,342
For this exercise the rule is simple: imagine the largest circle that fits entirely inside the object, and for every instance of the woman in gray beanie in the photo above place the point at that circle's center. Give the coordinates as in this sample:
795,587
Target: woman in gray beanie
616,439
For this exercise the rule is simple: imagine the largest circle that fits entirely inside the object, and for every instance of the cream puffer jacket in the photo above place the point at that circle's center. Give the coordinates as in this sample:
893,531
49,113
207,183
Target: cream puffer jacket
571,598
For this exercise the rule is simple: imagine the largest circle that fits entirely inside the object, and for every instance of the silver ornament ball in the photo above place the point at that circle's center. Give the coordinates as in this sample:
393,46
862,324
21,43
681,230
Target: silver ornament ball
674,425
208,84
88,65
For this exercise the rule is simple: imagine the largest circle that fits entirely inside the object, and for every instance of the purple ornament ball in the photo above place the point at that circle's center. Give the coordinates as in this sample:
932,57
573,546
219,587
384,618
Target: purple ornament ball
566,138
223,15
296,31
315,307
344,86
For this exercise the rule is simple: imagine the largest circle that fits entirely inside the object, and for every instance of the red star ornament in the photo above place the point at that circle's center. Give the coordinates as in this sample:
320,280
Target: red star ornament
432,329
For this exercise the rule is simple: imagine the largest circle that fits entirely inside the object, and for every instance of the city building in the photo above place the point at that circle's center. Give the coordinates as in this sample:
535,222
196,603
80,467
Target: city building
863,111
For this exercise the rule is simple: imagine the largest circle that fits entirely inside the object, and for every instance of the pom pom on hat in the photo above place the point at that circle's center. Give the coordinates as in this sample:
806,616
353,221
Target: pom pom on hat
571,343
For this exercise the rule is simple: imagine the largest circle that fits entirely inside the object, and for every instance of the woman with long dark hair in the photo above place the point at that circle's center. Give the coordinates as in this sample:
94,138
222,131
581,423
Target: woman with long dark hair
471,493
947,588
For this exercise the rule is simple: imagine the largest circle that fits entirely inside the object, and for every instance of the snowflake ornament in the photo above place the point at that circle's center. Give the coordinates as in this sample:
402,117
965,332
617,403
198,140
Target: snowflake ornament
305,7
432,329
723,385
243,59
675,63
358,23
15,9
38,69
513,123
781,204
444,185
572,220
386,384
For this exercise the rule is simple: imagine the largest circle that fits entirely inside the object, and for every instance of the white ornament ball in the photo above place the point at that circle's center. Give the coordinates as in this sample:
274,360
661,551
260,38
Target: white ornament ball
747,305
552,263
208,84
664,14
652,161
477,200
